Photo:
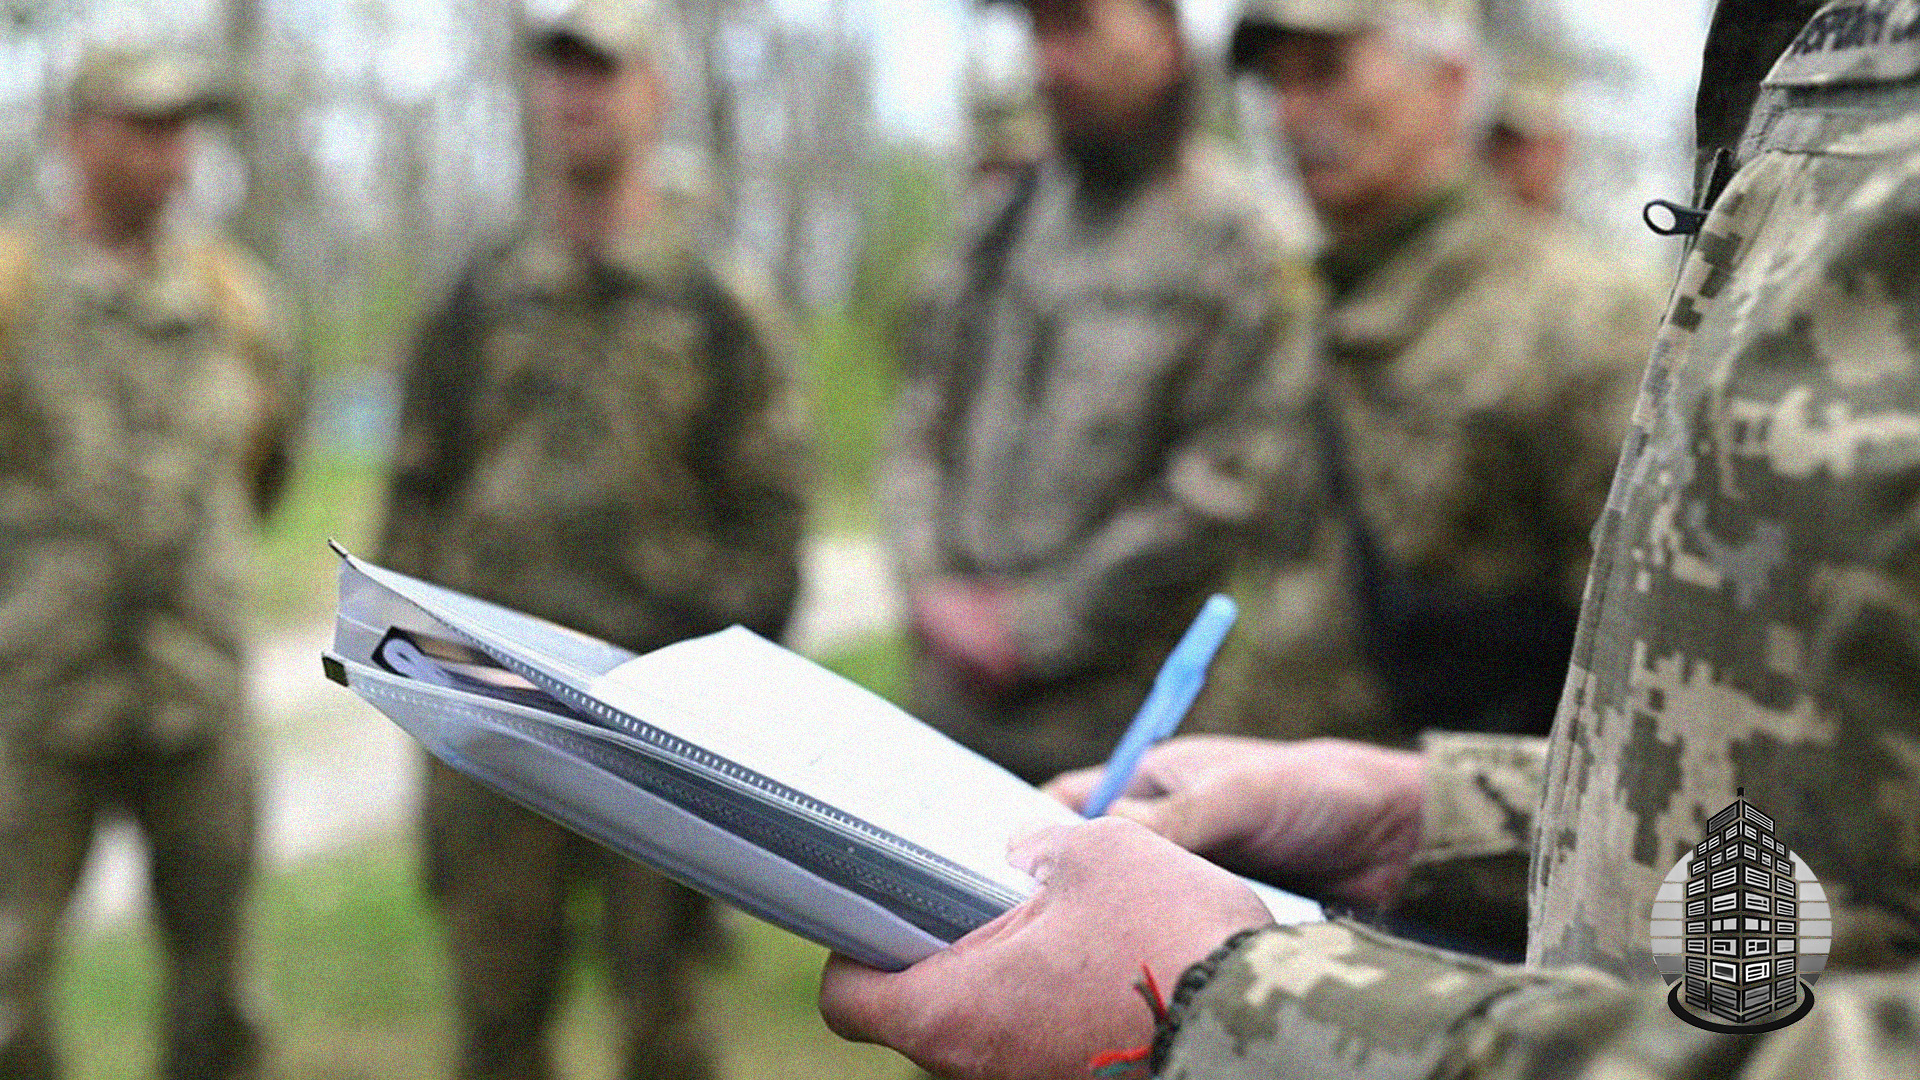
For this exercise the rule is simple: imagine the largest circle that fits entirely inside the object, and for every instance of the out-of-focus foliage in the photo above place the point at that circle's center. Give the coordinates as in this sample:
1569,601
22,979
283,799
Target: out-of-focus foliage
910,216
853,348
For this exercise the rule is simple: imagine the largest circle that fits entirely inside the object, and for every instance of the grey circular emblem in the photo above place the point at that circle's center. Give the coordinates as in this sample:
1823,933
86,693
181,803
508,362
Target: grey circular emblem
1741,928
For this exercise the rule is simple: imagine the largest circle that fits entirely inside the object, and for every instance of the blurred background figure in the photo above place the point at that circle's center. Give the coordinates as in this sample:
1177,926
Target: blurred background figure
1083,443
598,428
148,403
1006,127
1480,365
1529,141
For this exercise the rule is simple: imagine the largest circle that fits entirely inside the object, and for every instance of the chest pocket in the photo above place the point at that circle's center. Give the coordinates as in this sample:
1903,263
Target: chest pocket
145,394
190,371
1106,367
586,408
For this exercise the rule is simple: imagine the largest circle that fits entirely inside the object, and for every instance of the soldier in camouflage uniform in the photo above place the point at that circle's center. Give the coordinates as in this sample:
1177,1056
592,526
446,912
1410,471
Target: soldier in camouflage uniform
1480,364
1752,621
148,397
597,428
1530,141
1087,434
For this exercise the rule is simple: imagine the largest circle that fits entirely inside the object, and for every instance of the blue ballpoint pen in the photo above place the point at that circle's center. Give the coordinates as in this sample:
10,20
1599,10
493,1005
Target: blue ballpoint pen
1174,689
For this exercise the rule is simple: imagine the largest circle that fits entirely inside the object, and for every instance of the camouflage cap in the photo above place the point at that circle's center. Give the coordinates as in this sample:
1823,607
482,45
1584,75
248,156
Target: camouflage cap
1260,20
141,81
1533,96
617,29
1009,133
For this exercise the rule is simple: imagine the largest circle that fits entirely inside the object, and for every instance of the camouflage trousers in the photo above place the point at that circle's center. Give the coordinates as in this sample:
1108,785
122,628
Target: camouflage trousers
196,810
502,878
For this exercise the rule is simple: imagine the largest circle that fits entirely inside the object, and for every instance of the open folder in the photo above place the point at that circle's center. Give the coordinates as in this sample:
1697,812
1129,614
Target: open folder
726,762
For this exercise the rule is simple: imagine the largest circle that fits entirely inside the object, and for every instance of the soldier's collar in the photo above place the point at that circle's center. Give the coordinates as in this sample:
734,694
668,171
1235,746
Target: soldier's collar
545,264
162,284
1346,265
1396,299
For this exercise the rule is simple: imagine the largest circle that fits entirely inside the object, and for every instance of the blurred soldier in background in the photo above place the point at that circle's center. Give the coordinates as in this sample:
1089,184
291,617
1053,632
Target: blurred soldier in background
148,399
1528,138
1006,127
1480,363
597,428
1088,430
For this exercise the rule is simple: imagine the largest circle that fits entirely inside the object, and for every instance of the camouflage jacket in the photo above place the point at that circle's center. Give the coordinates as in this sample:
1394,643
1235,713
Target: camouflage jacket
1752,620
1480,369
613,444
1091,424
146,418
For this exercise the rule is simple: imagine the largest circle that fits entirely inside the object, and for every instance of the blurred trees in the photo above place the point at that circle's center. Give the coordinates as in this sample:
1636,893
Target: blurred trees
380,139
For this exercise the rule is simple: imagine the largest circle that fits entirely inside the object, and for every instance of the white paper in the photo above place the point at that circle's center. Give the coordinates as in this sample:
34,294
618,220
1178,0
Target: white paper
772,711
793,721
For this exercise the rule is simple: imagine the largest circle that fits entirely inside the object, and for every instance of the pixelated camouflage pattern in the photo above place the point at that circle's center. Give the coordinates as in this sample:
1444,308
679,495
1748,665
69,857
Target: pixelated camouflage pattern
614,444
1468,883
1095,428
1750,622
146,420
1338,999
1482,367
1754,576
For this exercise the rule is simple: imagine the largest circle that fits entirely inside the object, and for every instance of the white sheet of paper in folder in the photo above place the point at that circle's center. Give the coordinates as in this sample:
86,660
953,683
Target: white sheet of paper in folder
783,716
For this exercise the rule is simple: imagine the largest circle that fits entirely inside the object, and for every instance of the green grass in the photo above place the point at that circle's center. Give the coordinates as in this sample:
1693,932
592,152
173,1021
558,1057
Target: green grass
335,494
850,368
878,662
350,980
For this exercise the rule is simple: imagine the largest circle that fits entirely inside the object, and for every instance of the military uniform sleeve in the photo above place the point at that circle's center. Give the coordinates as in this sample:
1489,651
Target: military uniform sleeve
1239,446
259,317
756,456
431,453
1469,875
1335,999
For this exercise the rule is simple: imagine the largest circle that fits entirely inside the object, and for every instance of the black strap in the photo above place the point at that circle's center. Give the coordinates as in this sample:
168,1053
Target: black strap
986,265
1448,657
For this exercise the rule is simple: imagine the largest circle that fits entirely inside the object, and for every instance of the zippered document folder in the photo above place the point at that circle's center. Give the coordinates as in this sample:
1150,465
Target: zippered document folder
725,762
